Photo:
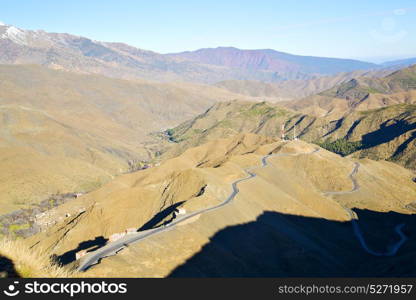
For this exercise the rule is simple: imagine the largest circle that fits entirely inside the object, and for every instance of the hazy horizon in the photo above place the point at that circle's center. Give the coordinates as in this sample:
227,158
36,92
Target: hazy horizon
355,30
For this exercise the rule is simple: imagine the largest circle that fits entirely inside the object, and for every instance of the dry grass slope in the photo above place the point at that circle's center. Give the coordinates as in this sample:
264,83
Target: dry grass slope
200,178
65,132
17,260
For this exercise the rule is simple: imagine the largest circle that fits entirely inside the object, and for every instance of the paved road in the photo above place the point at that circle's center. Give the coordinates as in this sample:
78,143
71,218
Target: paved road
113,248
355,186
357,230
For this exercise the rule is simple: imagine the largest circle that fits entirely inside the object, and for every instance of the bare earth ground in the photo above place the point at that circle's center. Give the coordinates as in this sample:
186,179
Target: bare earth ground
291,187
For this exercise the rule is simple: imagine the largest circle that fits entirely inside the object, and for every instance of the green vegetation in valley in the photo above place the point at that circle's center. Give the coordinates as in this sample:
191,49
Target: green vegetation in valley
341,146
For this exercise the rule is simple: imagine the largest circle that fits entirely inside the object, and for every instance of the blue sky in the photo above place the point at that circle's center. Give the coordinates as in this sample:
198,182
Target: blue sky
366,29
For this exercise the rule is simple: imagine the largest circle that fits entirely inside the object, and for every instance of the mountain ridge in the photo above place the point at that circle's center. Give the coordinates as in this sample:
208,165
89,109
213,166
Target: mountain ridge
383,133
114,59
296,89
300,67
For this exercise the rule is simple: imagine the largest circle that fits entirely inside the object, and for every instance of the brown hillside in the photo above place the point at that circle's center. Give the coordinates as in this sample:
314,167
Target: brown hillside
63,132
291,186
384,133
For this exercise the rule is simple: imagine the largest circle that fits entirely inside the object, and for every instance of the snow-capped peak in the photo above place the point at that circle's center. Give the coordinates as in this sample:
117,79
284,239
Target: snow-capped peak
16,35
2,24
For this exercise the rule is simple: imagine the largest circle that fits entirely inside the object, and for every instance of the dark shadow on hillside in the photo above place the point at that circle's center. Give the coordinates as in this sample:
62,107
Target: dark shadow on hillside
386,133
159,217
403,146
280,245
338,124
352,128
7,269
70,256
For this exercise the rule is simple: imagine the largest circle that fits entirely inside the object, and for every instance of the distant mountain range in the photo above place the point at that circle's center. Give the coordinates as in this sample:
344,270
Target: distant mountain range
401,63
294,89
281,65
83,55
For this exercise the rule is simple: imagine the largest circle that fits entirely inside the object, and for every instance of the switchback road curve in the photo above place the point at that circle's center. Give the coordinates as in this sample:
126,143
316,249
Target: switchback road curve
113,248
392,249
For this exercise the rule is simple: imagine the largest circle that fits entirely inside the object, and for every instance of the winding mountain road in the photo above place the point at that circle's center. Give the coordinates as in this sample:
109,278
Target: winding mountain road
113,248
357,230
